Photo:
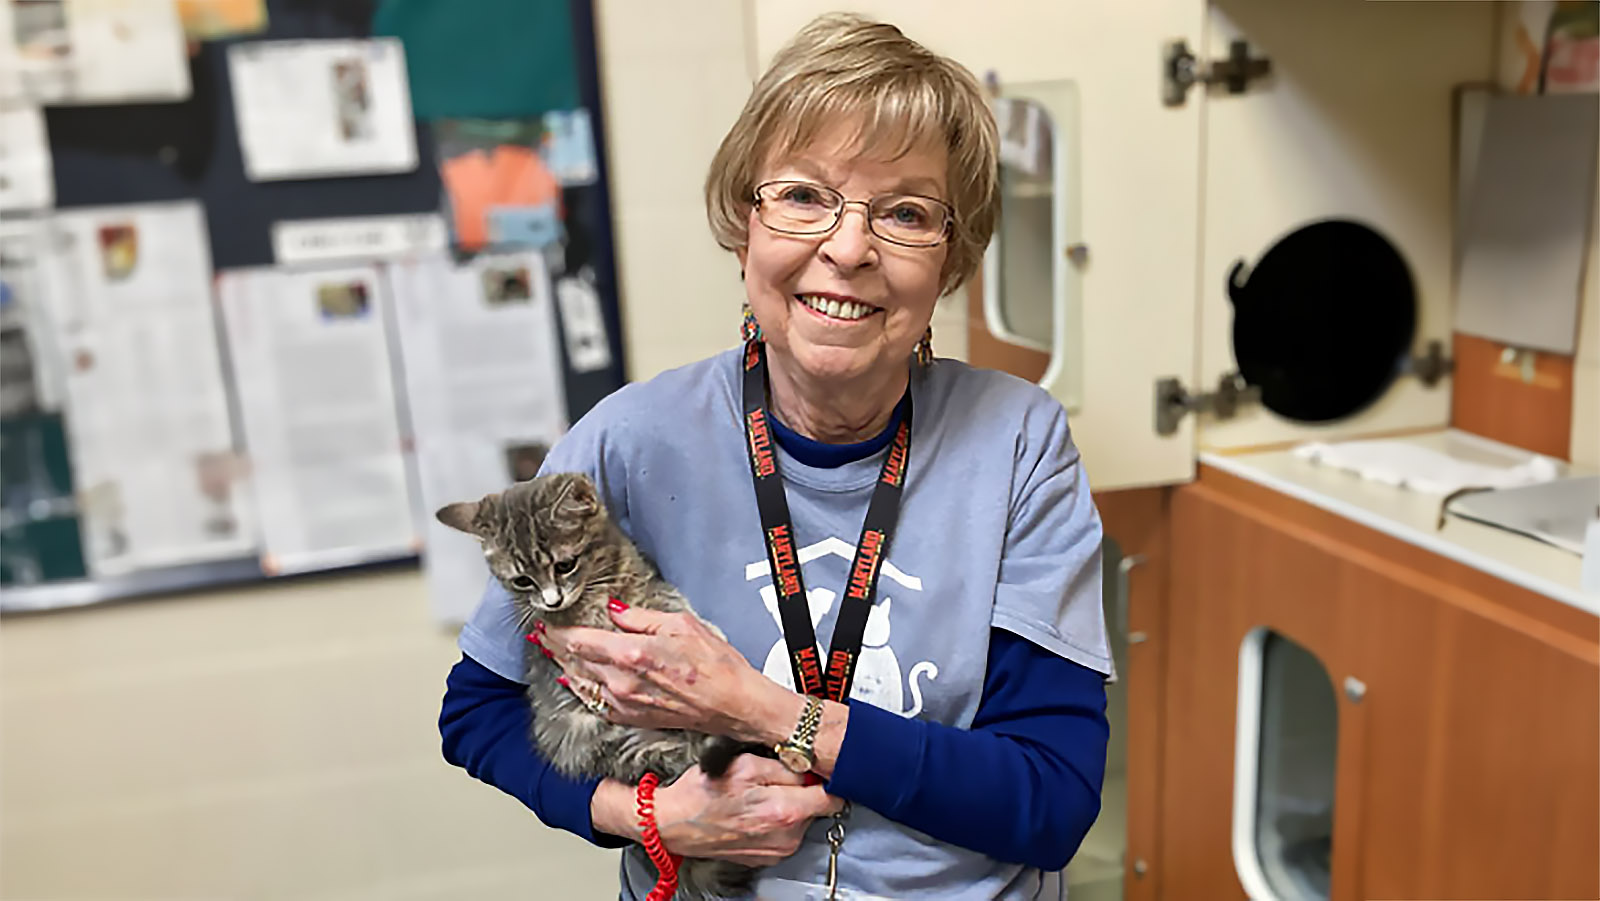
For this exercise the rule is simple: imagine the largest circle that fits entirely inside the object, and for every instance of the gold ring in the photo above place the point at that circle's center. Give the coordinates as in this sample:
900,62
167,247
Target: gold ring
595,702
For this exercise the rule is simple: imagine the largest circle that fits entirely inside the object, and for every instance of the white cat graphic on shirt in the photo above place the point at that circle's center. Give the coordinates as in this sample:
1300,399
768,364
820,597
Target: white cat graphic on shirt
878,680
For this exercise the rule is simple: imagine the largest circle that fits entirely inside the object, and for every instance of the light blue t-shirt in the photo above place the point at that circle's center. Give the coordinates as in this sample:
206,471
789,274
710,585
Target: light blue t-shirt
997,529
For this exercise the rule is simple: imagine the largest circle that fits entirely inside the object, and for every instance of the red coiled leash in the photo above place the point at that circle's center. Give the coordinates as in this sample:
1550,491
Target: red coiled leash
666,862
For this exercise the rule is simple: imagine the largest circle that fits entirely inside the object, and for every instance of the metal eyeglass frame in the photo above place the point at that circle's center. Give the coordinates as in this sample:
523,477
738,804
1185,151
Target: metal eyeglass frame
866,205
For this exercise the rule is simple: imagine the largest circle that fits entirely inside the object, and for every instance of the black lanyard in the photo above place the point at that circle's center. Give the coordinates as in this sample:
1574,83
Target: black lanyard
810,676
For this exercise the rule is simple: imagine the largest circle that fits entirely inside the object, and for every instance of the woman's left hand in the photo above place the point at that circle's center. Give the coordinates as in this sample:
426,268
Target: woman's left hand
666,671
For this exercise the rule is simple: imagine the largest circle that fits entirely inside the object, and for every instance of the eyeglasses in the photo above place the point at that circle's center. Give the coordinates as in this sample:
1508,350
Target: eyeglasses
807,208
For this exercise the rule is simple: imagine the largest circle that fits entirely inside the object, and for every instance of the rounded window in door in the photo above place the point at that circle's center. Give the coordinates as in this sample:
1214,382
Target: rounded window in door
1025,233
1287,745
1027,321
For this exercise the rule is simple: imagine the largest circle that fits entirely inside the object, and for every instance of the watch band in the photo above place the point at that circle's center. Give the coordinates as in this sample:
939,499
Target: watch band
798,751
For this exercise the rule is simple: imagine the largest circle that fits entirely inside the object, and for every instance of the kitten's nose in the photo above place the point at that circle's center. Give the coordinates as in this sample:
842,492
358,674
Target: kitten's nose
552,597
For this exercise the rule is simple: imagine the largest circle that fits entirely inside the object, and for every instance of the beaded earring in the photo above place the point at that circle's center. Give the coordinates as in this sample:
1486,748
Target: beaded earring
923,353
749,329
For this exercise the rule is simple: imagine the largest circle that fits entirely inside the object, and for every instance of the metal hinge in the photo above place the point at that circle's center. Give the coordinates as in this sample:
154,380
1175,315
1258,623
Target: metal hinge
1432,366
1182,70
1173,401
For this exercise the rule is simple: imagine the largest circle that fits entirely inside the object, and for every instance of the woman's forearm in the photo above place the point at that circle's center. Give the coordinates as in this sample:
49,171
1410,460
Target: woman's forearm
484,724
611,810
1022,785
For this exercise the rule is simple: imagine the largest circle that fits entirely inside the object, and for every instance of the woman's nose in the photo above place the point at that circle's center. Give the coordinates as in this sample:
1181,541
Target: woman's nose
849,246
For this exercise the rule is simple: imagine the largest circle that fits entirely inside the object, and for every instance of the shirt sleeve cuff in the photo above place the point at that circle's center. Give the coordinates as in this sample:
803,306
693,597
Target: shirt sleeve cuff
565,804
880,759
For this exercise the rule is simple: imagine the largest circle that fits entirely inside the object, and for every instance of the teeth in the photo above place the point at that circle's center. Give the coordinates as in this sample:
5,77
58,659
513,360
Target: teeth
838,309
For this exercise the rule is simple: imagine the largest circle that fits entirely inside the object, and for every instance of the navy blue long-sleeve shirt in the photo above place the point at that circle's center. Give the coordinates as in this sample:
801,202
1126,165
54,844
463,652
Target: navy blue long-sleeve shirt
1021,785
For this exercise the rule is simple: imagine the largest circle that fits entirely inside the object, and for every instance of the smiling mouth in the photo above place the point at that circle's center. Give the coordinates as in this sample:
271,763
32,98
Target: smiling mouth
836,309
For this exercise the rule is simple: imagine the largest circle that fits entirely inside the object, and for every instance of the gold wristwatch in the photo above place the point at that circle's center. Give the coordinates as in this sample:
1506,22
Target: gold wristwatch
797,751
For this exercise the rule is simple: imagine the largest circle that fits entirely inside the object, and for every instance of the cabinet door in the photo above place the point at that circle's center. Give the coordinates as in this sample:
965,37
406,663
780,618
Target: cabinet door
1242,593
1354,122
1136,186
1482,746
1430,736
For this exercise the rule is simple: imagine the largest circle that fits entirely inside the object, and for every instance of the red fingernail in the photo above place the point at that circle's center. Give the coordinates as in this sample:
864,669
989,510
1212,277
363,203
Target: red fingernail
533,637
562,681
538,627
616,605
547,652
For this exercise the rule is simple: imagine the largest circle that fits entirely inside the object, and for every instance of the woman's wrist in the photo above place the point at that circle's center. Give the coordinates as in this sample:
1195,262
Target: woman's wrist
612,809
775,712
772,715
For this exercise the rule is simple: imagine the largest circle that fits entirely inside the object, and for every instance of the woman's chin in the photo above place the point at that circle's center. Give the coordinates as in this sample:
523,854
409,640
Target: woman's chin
837,362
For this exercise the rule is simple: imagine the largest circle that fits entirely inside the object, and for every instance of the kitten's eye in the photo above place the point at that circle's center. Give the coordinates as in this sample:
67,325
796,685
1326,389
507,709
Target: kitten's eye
565,567
522,583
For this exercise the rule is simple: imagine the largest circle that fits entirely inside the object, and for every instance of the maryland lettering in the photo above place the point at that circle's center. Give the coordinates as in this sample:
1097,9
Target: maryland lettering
786,575
806,665
840,664
894,468
866,568
760,443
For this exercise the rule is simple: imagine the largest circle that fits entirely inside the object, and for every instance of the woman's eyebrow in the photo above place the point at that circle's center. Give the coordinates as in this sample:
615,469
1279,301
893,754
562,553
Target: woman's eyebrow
809,169
918,185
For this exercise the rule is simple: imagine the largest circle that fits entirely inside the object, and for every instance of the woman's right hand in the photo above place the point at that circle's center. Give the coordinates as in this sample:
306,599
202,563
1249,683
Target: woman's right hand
754,815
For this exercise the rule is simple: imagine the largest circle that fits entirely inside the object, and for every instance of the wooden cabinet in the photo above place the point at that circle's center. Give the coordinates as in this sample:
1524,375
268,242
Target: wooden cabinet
1468,710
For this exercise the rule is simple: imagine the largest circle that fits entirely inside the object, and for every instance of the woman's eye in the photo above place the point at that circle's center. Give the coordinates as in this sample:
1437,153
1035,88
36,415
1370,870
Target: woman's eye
565,567
801,195
522,583
908,214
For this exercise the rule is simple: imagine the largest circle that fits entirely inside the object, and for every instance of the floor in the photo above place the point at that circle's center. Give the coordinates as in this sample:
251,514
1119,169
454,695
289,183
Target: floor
258,744
277,743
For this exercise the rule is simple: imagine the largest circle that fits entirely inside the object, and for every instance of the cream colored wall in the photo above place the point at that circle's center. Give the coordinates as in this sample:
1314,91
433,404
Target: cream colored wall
674,75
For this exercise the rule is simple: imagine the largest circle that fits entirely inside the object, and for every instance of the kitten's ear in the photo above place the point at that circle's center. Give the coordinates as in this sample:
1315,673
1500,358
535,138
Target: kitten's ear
578,497
460,516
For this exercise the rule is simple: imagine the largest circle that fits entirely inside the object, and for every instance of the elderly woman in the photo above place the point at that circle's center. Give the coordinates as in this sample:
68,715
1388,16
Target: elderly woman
909,540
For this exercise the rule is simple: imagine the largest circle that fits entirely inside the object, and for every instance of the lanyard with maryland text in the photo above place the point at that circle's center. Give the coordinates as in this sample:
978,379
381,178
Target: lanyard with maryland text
882,511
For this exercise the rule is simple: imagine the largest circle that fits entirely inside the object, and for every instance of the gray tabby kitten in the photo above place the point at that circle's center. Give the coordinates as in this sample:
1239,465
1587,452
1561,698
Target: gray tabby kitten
550,542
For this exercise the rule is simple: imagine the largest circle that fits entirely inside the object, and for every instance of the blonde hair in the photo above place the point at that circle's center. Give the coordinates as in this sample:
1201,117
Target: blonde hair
901,96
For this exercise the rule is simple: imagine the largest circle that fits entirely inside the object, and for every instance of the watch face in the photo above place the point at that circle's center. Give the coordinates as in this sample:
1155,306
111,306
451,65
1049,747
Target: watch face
795,759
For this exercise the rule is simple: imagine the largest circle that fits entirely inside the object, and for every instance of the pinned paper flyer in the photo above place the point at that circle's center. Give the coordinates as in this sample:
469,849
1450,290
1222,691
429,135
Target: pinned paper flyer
92,51
358,238
27,181
316,109
129,297
583,325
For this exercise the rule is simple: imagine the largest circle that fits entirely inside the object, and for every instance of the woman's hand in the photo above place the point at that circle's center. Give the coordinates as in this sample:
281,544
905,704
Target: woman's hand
755,815
672,671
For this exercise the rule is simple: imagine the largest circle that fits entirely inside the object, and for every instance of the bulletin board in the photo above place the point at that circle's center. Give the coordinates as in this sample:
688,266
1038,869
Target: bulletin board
466,73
